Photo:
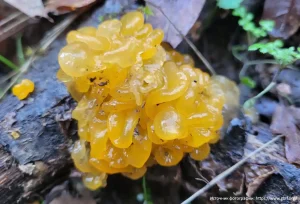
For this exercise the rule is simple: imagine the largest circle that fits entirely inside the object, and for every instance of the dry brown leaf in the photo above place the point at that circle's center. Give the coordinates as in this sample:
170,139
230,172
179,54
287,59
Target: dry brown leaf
234,183
286,14
31,8
35,8
286,121
69,3
255,176
62,6
260,167
275,152
181,13
284,89
291,77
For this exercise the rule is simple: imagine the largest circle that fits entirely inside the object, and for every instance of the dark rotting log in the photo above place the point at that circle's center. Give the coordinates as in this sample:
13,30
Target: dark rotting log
41,140
40,155
20,183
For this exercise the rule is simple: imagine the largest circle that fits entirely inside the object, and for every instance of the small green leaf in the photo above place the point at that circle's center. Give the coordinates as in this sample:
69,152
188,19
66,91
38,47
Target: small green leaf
258,32
229,4
240,11
242,22
249,17
264,50
254,47
283,56
278,43
147,11
246,21
248,82
267,25
101,18
249,26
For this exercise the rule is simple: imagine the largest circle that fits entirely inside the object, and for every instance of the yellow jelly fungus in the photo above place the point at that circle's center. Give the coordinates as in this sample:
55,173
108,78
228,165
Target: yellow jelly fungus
201,152
15,134
93,181
132,22
23,89
139,104
167,156
136,173
169,125
96,43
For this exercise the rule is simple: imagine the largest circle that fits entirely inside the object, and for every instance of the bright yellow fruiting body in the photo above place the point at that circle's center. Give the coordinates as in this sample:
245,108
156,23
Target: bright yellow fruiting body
23,89
138,103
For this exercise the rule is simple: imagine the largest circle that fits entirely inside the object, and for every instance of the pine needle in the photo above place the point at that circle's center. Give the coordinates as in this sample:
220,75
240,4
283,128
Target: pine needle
10,18
8,77
227,172
8,63
12,24
20,53
254,62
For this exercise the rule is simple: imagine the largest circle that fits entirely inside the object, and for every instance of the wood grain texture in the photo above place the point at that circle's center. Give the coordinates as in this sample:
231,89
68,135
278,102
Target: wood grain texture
42,120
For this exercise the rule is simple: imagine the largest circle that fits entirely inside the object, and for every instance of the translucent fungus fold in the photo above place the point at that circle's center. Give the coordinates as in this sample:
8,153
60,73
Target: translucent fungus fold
138,104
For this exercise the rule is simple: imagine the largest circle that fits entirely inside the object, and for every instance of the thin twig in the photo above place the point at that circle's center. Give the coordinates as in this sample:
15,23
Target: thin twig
202,178
254,62
266,90
11,27
189,187
8,76
13,81
235,49
57,30
229,171
257,62
251,102
10,18
194,48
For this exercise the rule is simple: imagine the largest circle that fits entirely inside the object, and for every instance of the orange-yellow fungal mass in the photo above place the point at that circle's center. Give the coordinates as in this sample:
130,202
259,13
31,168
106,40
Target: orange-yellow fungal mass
139,104
23,89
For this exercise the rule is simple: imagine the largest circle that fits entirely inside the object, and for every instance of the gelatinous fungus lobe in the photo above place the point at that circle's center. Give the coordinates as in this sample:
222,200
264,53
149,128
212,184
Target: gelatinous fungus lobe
139,104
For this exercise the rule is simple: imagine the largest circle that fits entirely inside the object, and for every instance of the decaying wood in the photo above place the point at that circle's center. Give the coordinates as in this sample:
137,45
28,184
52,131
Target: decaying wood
40,156
20,183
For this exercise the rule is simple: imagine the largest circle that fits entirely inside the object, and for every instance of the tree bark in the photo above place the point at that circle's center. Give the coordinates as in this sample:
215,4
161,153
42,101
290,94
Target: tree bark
40,154
39,158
